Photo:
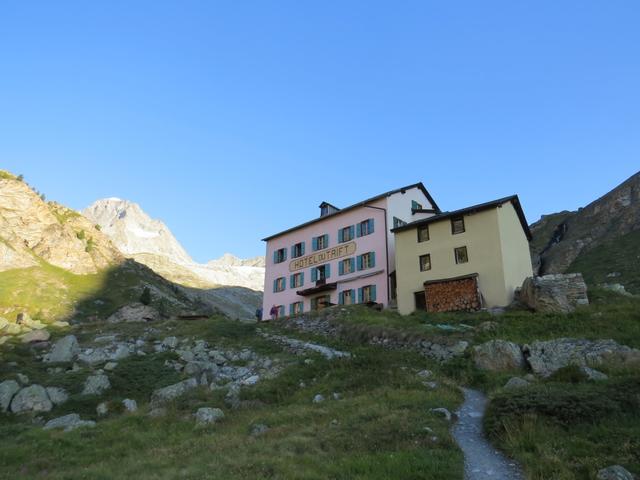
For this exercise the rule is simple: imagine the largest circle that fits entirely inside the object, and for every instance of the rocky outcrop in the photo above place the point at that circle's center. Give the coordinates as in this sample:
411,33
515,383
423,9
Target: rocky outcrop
135,312
498,356
64,350
31,399
553,293
548,356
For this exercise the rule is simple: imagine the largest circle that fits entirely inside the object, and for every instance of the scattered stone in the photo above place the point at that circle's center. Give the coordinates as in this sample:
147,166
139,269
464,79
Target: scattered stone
498,356
258,429
431,385
170,342
594,375
22,378
488,326
158,412
102,409
35,336
336,396
206,416
106,338
31,399
334,422
442,411
617,288
134,312
424,374
64,350
110,366
68,423
130,405
8,389
558,293
252,380
57,395
515,383
318,398
548,356
96,385
171,392
615,472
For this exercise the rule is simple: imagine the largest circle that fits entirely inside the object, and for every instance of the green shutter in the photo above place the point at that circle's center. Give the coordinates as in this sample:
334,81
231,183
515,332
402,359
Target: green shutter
314,274
358,230
340,235
314,243
359,260
302,248
341,298
327,270
373,293
341,267
301,279
275,285
326,240
352,230
373,259
275,256
370,225
291,308
360,295
292,281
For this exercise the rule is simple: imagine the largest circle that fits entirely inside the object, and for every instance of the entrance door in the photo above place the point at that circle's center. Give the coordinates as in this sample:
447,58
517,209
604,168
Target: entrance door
421,301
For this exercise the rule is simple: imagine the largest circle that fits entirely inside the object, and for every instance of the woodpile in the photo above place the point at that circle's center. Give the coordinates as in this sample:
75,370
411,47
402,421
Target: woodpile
459,294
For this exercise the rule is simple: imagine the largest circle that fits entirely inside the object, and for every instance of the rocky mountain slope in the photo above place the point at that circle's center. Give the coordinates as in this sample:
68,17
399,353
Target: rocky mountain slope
602,232
150,242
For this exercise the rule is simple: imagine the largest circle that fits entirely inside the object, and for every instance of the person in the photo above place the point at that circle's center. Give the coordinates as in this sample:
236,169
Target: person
274,313
259,314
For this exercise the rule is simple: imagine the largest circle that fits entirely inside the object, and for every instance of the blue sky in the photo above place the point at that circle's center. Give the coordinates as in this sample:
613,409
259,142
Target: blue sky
234,120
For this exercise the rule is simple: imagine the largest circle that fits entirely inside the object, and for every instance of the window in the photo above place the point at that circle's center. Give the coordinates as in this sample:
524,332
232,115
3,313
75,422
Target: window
320,273
324,210
321,242
461,255
423,233
346,234
425,262
297,250
318,303
348,265
366,260
365,228
296,308
415,205
457,225
280,255
279,284
398,223
367,294
347,297
297,280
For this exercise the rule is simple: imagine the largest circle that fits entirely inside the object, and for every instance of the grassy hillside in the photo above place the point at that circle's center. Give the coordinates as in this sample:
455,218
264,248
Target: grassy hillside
50,293
621,255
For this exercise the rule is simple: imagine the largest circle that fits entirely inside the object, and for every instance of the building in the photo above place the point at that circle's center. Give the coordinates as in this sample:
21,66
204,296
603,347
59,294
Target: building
345,256
463,260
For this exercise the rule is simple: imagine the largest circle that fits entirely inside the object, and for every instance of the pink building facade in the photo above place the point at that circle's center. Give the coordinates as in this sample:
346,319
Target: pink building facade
345,256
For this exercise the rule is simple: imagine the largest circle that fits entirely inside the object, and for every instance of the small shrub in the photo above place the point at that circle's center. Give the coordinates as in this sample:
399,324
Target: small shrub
145,298
80,235
97,227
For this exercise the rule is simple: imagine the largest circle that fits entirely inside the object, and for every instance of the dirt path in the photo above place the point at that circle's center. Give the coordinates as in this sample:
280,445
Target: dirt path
481,460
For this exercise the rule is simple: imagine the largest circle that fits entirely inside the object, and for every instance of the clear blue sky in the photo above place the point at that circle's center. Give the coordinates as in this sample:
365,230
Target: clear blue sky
233,120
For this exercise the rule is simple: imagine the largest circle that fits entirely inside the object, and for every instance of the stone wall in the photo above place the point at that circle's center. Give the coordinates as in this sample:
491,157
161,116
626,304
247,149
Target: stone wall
460,294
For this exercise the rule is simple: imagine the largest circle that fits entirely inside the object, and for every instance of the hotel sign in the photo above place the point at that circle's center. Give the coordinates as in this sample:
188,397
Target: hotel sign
323,256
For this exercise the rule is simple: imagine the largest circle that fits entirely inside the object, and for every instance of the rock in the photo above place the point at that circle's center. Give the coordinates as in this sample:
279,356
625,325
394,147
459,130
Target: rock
515,383
318,398
232,398
594,375
548,356
134,312
615,472
158,412
559,293
171,392
206,416
96,385
22,378
170,342
498,356
258,429
31,399
252,380
617,288
424,374
442,411
130,405
57,395
488,326
68,423
64,350
8,389
110,366
102,409
35,336
336,396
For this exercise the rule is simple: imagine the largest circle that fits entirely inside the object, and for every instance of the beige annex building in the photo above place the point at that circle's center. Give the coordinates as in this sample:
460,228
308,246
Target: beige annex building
463,260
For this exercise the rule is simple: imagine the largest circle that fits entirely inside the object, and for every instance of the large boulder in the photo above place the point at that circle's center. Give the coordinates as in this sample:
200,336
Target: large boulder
498,356
96,385
31,399
57,395
559,293
64,350
171,392
206,416
134,312
35,336
68,423
615,472
548,356
8,389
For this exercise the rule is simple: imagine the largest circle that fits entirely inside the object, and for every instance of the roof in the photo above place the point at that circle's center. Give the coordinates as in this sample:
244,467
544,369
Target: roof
418,185
473,209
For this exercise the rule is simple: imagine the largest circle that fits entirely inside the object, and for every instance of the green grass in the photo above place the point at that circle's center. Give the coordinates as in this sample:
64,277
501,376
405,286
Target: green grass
621,255
376,431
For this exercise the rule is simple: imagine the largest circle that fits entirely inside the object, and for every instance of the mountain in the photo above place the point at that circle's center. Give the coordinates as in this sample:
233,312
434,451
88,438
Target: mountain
151,243
600,239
